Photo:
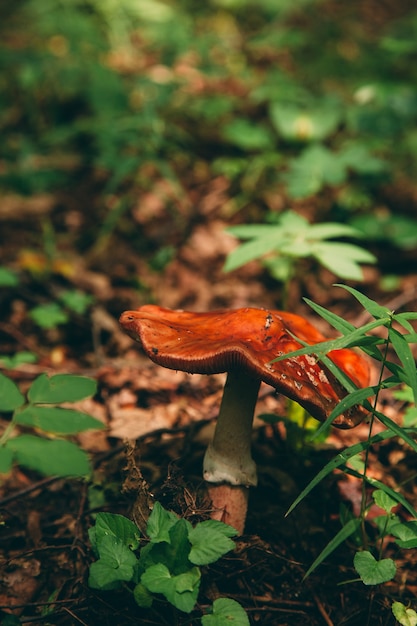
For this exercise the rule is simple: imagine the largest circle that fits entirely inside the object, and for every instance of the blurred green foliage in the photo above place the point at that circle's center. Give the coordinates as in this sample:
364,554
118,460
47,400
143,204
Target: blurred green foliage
311,98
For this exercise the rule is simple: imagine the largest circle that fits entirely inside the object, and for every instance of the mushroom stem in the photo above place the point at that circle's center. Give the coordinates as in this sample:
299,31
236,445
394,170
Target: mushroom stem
228,462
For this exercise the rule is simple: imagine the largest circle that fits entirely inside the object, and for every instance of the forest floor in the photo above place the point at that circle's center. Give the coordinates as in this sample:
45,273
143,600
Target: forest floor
159,422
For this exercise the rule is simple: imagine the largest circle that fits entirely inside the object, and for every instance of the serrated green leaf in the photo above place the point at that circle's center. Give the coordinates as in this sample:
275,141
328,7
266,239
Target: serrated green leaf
226,611
6,460
61,388
404,616
10,396
50,457
57,420
113,524
210,540
371,571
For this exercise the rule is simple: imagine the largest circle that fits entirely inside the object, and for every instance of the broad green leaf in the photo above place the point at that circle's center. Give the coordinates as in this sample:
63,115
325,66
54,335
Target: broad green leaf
76,300
180,590
210,540
57,420
50,457
371,571
348,529
8,278
405,532
116,564
49,315
17,359
226,611
6,460
61,388
10,396
384,501
312,170
113,524
404,616
142,596
248,135
160,523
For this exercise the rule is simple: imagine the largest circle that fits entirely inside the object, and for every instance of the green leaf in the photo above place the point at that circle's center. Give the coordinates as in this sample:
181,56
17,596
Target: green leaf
142,596
10,396
160,523
6,460
405,616
76,300
343,259
406,357
18,359
248,135
61,388
49,315
226,611
210,540
384,501
348,529
116,564
252,250
57,420
375,309
8,278
315,167
371,571
113,524
50,457
339,460
180,590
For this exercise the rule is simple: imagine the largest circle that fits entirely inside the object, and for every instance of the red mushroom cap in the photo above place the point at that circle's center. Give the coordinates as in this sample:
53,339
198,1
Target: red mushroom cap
250,339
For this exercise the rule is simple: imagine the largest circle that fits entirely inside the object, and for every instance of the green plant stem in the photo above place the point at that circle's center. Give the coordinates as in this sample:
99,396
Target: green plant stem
368,447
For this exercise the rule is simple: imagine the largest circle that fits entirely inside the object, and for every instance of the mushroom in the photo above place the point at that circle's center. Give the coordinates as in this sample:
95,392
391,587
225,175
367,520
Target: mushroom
244,343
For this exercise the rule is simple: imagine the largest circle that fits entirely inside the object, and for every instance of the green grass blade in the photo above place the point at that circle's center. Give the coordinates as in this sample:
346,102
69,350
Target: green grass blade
340,459
379,485
406,357
375,309
350,527
399,431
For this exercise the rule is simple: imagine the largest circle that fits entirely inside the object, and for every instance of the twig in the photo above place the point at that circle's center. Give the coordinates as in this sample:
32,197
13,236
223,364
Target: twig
323,611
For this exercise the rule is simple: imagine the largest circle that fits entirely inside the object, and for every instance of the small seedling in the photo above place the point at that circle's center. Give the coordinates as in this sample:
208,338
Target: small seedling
46,448
168,565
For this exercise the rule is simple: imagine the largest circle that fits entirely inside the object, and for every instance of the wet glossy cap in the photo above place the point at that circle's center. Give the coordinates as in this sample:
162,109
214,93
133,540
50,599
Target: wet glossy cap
249,339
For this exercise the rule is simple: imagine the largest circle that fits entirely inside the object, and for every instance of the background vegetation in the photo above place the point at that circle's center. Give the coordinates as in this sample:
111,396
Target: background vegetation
141,141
